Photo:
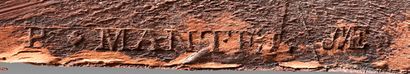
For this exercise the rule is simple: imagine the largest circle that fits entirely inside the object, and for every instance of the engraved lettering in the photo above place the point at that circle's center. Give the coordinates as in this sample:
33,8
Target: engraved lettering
240,40
251,40
101,45
190,39
345,37
216,41
74,39
170,39
328,43
33,38
138,45
112,44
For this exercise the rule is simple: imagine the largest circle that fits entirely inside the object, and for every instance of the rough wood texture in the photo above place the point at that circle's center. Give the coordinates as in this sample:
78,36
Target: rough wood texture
279,35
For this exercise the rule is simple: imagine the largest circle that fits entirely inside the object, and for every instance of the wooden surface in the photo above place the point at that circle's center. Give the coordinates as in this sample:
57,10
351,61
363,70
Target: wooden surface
277,35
